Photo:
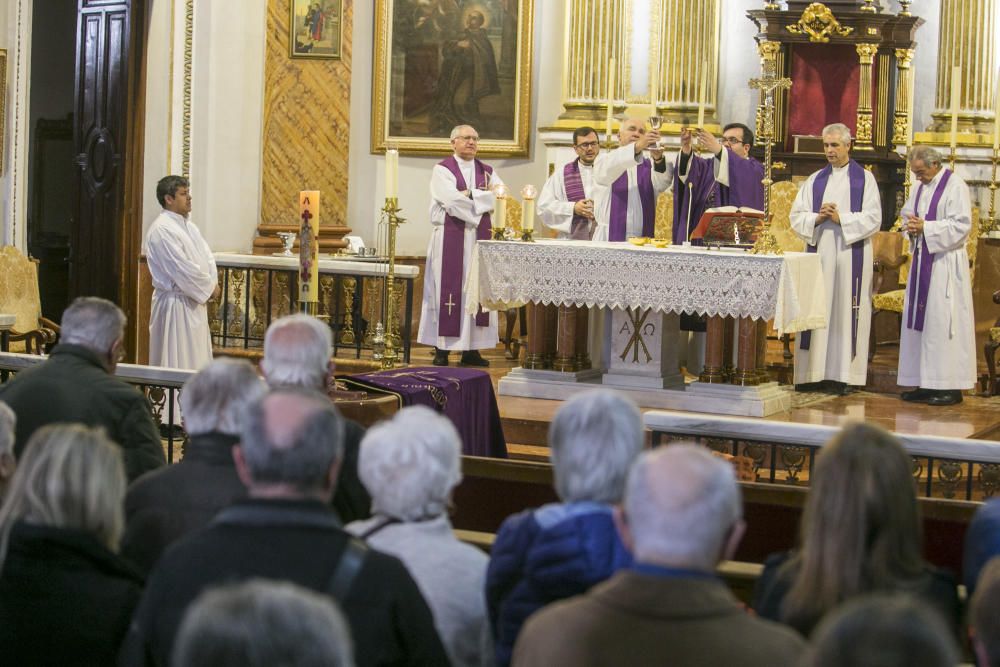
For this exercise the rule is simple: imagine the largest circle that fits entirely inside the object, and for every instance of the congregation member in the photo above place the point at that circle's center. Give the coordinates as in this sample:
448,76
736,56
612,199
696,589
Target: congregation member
410,465
984,616
462,201
77,384
860,533
566,202
298,352
165,505
681,515
982,542
8,462
628,183
836,212
263,623
184,278
937,341
883,630
290,448
66,597
562,549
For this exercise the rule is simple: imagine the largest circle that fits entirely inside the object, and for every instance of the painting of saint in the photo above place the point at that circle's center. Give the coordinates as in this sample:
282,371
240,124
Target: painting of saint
316,28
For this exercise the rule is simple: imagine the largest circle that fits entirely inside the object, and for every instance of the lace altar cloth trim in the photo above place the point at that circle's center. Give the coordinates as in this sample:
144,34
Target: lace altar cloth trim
787,288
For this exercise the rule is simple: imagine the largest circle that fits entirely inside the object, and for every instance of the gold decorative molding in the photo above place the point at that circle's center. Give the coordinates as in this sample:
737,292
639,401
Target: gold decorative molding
818,22
186,100
596,33
866,55
967,39
901,118
688,54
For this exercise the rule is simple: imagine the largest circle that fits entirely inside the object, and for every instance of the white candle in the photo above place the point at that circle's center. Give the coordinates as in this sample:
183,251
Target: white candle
654,87
500,208
611,98
701,95
529,193
956,86
996,116
391,173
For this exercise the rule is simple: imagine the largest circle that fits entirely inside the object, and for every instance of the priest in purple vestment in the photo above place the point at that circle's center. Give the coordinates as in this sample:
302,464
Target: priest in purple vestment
566,202
462,200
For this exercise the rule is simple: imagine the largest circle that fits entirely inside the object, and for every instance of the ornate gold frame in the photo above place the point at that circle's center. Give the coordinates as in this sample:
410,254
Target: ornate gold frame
516,145
3,105
291,33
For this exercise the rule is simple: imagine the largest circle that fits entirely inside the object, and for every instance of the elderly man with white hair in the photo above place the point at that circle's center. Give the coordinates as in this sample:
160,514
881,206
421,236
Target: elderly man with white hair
298,352
681,515
410,465
165,505
564,548
837,211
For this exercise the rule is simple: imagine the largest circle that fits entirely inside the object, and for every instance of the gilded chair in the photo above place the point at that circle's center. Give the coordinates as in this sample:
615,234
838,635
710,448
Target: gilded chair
663,226
782,197
512,344
31,332
990,352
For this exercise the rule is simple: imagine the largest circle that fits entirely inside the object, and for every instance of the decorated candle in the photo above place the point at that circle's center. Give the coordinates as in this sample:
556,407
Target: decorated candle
500,209
309,245
529,193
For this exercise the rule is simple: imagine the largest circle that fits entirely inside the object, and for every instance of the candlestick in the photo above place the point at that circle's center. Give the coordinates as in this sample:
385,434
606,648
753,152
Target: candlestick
611,100
391,173
309,251
956,85
528,193
701,95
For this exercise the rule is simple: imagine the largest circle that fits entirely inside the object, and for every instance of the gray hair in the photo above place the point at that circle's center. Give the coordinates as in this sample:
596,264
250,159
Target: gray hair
297,351
261,623
455,131
8,425
216,398
295,443
595,436
69,476
410,464
93,323
882,629
838,128
680,504
926,154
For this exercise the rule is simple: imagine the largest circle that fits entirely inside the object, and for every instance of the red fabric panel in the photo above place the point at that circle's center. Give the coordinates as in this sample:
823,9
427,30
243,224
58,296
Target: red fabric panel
824,88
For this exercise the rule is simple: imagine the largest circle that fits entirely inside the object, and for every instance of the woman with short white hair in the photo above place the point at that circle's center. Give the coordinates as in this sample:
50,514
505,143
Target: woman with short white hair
410,464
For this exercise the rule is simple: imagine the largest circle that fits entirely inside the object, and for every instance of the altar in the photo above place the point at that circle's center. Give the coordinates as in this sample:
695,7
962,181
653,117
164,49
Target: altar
643,291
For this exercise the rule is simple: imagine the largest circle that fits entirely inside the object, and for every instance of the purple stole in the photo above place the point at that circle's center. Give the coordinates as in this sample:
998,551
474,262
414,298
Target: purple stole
923,262
453,256
580,228
619,202
856,178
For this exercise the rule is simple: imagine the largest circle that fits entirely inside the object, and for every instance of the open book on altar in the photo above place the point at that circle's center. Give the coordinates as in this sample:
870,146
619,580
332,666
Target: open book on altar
729,226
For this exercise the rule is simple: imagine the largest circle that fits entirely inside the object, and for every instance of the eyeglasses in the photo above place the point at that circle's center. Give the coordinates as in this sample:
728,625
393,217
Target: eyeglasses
468,139
733,141
588,144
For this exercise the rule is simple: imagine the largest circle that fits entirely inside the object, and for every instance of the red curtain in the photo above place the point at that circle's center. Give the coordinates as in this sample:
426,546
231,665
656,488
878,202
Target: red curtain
824,88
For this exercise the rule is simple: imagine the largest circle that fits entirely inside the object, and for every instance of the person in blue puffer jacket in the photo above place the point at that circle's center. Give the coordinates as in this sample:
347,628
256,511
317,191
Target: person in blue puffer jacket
562,549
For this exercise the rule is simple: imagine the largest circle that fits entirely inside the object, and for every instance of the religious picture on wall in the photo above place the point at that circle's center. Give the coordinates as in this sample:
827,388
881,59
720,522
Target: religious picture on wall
442,63
315,28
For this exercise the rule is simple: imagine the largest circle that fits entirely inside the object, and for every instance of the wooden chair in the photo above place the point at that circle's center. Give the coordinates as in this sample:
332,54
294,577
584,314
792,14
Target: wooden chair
31,333
990,352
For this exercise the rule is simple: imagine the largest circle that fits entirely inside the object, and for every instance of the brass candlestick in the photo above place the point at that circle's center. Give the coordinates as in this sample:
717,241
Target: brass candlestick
393,340
993,191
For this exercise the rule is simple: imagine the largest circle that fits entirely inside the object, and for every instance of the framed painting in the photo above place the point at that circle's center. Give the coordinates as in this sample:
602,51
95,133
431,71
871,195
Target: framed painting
3,105
442,63
315,28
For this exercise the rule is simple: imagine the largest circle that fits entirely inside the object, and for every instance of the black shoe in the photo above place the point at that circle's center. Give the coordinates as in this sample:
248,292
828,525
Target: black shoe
839,388
440,357
473,358
809,386
917,395
946,397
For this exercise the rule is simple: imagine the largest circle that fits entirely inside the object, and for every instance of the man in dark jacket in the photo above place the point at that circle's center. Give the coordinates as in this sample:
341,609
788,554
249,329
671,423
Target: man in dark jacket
77,383
165,505
289,455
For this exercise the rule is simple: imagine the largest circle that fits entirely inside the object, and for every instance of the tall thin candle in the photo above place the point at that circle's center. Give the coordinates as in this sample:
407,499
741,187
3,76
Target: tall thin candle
701,94
391,173
956,86
996,117
611,98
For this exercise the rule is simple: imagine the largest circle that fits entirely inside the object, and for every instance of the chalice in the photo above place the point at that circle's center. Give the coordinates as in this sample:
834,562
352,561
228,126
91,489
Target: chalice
288,241
655,122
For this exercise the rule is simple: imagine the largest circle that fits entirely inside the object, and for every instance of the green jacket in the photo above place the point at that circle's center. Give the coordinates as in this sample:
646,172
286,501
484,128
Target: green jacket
73,385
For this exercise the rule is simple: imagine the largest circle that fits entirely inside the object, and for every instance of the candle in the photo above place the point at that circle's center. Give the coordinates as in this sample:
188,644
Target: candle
956,86
309,245
654,88
391,173
996,116
500,208
611,98
528,208
701,95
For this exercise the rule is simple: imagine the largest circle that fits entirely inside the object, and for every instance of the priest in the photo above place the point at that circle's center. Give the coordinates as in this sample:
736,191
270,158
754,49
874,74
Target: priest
938,338
629,183
836,212
184,279
566,202
461,202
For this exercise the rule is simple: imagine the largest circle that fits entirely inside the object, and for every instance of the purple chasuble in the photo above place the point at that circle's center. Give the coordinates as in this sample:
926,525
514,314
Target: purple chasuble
581,228
702,191
453,256
619,202
923,262
745,188
856,178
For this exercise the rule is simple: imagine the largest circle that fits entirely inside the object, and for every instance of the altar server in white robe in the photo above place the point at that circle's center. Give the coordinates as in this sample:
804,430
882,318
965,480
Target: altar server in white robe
566,202
937,342
836,212
629,184
184,279
462,201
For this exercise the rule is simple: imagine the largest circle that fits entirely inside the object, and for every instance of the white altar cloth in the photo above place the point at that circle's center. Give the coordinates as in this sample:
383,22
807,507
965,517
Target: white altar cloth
787,288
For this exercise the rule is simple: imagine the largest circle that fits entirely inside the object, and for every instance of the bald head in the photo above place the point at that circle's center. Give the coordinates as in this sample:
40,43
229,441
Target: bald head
297,351
631,130
682,507
293,439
